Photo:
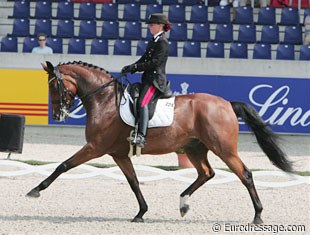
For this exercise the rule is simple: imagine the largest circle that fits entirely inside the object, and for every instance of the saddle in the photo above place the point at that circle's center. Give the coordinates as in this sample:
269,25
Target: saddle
161,109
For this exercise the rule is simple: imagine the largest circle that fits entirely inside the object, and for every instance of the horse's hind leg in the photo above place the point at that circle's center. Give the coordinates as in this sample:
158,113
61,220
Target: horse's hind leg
238,167
197,154
85,154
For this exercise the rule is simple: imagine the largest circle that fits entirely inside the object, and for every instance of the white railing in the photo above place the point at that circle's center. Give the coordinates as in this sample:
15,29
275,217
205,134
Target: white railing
153,174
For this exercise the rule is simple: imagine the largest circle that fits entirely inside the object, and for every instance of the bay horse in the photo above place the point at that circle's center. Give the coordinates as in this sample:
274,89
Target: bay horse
202,123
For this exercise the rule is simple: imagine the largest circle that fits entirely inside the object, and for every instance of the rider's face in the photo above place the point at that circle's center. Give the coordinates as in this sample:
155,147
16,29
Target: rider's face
155,28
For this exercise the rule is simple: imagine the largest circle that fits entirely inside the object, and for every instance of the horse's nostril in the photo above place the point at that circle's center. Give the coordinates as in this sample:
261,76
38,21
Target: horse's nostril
55,116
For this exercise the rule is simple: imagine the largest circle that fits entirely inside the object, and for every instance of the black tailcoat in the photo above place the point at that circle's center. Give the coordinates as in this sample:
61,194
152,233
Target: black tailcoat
153,63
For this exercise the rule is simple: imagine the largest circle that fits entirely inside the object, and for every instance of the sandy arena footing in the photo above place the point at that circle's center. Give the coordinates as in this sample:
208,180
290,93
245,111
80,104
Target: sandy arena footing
104,205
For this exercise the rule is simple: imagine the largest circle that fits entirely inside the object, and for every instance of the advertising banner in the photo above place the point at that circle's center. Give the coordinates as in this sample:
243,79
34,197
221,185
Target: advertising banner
24,92
284,103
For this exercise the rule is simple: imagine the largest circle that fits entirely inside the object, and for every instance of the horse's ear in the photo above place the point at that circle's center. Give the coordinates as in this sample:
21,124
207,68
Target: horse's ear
44,67
48,67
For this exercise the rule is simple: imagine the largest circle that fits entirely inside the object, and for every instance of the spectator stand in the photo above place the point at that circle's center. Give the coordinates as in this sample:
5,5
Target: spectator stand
189,18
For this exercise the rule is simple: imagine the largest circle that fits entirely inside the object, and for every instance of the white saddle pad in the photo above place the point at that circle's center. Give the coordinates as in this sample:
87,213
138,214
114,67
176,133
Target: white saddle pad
163,115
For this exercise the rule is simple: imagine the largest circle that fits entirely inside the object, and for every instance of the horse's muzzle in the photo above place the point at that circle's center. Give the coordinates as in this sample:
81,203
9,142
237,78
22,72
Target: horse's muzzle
60,116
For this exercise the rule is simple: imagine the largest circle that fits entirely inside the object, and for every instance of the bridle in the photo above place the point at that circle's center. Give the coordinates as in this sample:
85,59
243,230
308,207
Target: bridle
65,92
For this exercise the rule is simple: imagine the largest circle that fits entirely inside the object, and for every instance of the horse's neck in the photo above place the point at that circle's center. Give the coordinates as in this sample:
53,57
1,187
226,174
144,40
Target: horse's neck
92,92
89,81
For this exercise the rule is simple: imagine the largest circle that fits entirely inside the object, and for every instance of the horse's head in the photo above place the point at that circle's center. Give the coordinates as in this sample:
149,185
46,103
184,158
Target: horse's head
62,89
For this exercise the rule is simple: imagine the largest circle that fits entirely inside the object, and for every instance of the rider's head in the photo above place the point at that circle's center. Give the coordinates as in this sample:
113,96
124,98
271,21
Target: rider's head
158,22
42,39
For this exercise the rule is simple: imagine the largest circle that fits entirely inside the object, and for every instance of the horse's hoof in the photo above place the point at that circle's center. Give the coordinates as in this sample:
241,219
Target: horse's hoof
257,221
138,220
184,210
34,193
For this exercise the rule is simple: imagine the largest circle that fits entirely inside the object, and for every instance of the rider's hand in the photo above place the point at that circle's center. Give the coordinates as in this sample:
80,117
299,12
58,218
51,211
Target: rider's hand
129,68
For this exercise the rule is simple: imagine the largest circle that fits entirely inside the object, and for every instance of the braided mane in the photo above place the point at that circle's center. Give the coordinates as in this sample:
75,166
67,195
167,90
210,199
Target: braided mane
84,64
120,86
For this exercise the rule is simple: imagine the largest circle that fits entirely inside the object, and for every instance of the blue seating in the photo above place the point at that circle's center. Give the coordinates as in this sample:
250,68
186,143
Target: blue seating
176,13
8,44
125,1
224,33
306,12
304,53
190,2
201,32
244,15
285,52
65,29
29,43
141,47
199,14
270,34
21,9
151,9
87,11
76,46
221,15
131,12
55,44
289,16
20,28
266,16
132,30
148,2
122,47
178,32
99,47
247,33
191,49
238,50
110,30
215,50
292,35
262,51
109,12
43,10
88,29
169,2
173,48
43,26
65,11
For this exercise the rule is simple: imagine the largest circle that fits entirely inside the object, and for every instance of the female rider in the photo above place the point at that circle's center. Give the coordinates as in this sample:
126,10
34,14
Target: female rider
153,65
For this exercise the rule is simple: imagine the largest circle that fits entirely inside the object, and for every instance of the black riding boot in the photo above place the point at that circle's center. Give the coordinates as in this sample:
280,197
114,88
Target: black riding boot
142,128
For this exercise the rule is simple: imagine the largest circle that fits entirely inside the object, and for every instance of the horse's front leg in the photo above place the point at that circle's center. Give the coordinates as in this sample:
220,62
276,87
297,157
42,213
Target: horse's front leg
126,166
83,155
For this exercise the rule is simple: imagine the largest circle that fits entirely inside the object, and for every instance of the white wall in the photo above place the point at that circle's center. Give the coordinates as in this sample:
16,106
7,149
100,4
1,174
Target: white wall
207,66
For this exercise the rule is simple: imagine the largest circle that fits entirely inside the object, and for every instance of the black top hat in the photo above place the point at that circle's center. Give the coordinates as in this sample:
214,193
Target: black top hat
158,18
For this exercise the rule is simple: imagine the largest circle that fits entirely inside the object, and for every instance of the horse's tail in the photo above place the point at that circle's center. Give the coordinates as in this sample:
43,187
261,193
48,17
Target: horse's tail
266,139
